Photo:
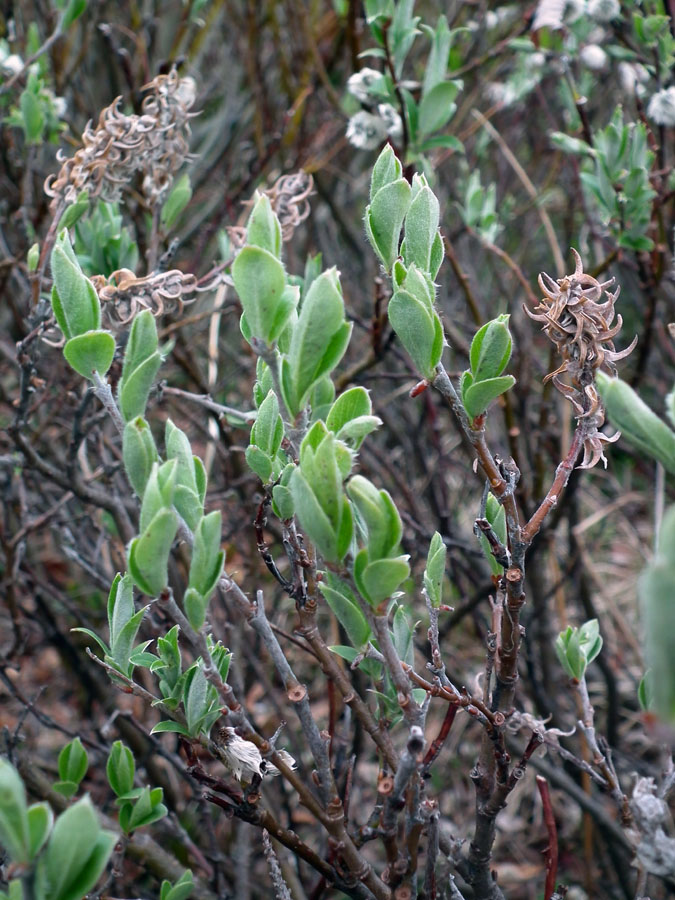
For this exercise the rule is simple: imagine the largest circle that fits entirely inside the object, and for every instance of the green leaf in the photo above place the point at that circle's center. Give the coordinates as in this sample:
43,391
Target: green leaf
444,141
268,429
491,349
75,211
14,829
73,762
437,106
264,229
90,352
639,425
384,219
283,504
260,280
657,590
139,453
379,514
120,606
171,727
72,12
146,810
159,491
40,821
141,362
437,62
434,572
207,561
351,404
346,610
190,476
646,691
419,330
319,339
74,300
180,890
148,555
380,579
478,397
178,199
91,634
33,117
65,788
121,769
314,521
77,852
402,636
259,462
386,169
570,144
421,225
496,516
195,701
121,650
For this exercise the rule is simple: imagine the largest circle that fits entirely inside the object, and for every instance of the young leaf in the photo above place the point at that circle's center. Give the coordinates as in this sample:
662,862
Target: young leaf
73,762
386,169
437,106
76,853
260,280
638,424
90,352
139,453
346,610
148,555
14,829
421,225
419,330
435,570
40,820
491,349
178,199
74,300
319,339
384,219
263,228
142,359
121,769
478,397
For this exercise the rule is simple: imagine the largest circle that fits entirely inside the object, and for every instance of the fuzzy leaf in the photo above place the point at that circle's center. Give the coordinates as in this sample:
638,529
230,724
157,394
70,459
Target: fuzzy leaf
434,572
419,330
90,352
437,106
384,219
148,555
478,397
263,228
346,610
139,453
421,225
260,280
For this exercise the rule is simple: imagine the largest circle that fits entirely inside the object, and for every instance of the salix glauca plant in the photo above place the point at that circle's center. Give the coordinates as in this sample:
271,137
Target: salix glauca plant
334,554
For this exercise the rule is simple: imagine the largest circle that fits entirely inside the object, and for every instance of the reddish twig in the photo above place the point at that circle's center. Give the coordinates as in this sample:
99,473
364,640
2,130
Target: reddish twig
552,849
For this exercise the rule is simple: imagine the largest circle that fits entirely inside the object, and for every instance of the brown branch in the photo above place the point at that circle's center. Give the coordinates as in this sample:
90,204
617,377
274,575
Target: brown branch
552,849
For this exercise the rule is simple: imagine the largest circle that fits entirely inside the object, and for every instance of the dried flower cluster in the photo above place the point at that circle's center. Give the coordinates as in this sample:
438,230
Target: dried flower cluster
289,196
123,295
581,328
154,144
